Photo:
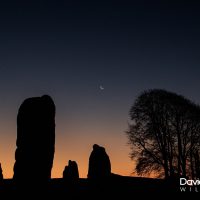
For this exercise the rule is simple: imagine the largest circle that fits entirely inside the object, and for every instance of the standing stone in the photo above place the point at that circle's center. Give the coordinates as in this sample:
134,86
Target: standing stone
1,173
35,140
70,172
99,163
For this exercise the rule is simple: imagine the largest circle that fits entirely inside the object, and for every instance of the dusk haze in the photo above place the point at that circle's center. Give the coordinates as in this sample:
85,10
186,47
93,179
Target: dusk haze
93,58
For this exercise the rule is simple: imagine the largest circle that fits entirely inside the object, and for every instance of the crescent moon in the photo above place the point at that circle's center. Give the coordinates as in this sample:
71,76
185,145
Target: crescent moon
101,87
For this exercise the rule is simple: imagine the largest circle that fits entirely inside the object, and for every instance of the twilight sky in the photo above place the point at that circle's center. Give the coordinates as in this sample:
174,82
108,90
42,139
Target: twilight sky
67,49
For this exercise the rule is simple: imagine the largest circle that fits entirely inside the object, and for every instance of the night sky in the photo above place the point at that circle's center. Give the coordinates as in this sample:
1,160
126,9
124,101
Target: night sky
68,49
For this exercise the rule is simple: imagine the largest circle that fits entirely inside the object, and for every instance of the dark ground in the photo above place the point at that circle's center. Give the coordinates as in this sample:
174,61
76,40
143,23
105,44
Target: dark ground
114,187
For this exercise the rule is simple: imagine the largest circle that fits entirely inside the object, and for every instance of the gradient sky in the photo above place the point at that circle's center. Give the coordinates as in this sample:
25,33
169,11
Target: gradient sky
67,49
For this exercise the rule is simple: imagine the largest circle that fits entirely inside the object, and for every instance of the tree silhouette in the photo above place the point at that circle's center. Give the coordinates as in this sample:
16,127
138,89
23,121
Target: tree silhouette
164,134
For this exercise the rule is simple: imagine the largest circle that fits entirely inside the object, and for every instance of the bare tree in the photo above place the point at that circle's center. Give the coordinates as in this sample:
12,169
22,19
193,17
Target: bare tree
164,134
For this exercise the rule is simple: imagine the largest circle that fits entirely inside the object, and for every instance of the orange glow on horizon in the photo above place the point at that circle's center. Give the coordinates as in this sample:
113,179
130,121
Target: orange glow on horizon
73,149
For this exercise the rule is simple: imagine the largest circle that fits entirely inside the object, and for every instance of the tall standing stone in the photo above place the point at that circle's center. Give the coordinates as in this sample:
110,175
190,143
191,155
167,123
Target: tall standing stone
35,140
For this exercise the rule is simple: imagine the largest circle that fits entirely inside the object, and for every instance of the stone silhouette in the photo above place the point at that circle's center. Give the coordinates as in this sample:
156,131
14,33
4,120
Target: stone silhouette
35,140
99,163
70,172
1,173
